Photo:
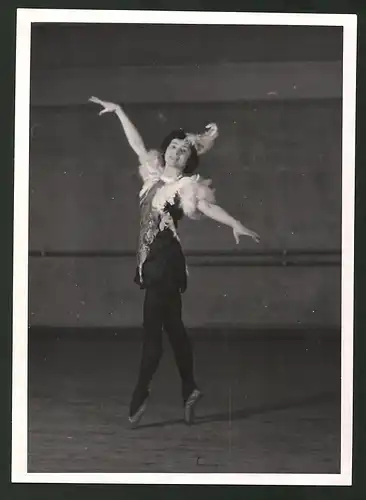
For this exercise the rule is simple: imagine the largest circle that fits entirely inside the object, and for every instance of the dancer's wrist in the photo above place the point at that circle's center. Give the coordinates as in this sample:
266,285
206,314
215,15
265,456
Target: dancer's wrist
237,225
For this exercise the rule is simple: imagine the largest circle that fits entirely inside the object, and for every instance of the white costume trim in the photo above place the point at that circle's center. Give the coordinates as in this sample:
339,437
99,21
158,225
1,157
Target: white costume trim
190,190
150,170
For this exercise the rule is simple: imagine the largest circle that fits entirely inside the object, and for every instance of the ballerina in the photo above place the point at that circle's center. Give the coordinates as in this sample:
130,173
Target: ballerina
169,191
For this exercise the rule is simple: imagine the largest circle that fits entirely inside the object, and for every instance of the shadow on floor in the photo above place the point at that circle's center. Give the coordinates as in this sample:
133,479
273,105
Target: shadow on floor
324,397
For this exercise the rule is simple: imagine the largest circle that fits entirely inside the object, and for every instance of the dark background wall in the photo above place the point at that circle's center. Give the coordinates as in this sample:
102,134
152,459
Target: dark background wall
275,93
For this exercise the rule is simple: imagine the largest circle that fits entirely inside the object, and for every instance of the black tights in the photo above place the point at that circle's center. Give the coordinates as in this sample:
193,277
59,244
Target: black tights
163,309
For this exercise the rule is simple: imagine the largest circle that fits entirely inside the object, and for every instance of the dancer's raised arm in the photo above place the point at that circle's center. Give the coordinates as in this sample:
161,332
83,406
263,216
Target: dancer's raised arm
218,214
132,134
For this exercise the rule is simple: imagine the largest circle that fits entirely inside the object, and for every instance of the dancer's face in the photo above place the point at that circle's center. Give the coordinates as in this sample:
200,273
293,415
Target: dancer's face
177,153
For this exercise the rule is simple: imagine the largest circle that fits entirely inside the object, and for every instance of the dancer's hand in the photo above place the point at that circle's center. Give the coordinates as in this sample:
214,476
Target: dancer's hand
109,107
240,230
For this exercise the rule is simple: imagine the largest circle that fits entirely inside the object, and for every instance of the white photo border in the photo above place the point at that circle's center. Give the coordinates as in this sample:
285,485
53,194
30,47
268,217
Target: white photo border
25,18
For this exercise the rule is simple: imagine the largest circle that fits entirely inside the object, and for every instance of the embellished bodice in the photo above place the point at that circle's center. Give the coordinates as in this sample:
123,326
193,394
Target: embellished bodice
154,221
162,204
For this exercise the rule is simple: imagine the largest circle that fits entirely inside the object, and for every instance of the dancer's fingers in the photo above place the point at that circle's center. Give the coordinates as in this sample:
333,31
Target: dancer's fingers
95,99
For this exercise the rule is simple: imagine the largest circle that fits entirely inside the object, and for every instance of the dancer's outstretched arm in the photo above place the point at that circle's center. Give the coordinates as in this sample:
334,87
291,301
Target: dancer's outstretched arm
132,134
218,214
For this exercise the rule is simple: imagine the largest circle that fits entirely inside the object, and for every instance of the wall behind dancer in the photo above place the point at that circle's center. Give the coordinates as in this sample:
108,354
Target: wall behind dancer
277,162
277,165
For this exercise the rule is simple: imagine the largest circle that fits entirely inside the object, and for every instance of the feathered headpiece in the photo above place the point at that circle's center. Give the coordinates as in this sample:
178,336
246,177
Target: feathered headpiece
204,142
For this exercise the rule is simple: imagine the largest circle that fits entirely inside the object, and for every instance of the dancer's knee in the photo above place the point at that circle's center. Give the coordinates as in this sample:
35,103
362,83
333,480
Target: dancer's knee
153,347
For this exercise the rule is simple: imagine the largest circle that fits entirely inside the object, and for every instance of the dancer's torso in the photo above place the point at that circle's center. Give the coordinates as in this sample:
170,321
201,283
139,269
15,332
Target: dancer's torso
160,259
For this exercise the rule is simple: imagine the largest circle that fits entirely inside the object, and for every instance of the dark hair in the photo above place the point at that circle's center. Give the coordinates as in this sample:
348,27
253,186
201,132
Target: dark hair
192,162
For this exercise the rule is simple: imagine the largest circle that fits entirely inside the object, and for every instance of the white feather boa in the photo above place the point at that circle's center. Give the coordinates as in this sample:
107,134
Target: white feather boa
190,191
151,167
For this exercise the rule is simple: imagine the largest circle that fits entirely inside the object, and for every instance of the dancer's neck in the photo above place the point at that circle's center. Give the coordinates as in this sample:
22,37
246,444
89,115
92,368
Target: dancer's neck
171,174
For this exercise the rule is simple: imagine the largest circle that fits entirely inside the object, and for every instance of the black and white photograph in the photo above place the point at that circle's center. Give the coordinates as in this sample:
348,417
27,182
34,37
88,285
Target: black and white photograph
183,247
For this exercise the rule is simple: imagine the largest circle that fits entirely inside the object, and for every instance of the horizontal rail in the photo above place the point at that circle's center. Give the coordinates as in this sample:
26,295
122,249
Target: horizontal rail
221,258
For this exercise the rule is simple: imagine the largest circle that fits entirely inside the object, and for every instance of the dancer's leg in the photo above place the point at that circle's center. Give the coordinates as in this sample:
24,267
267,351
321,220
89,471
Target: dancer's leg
180,342
152,346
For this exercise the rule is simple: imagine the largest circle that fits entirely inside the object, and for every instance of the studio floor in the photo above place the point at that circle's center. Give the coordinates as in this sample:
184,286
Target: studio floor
271,405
